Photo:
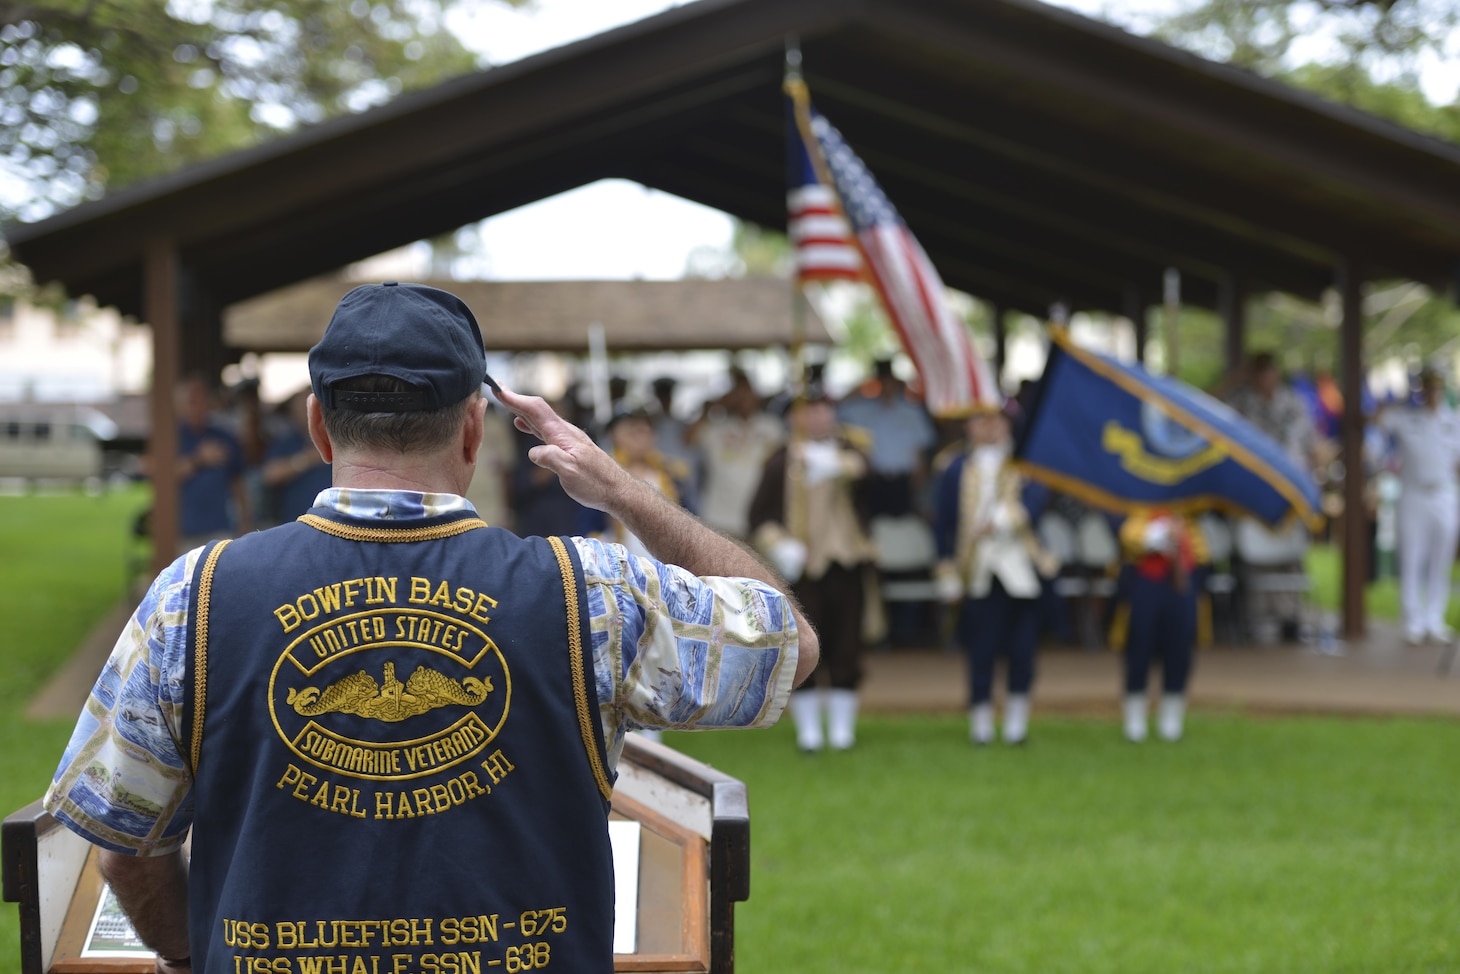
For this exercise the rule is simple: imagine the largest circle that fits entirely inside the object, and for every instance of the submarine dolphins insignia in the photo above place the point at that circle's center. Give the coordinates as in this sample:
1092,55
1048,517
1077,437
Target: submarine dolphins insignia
391,701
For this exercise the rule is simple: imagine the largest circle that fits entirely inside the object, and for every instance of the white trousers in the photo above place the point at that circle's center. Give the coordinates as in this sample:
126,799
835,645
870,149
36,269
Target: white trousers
1428,523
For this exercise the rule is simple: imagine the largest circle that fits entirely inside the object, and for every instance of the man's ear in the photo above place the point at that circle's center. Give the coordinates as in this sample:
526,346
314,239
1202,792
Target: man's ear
473,429
317,432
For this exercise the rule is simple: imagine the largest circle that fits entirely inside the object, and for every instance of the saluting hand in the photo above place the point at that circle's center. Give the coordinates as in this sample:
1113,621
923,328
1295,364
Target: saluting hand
590,476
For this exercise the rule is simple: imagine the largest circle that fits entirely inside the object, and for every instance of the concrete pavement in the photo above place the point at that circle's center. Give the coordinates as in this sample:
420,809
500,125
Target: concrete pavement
1378,675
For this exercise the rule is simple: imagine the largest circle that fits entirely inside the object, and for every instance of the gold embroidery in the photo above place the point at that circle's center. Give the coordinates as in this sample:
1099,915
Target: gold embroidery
200,658
392,700
575,662
1095,497
1128,445
354,532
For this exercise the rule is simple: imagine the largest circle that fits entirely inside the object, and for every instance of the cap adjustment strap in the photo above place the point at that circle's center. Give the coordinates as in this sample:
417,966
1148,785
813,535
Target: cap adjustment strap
381,402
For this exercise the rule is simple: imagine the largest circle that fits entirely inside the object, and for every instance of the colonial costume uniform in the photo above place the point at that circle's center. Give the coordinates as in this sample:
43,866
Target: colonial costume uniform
1163,615
991,562
809,519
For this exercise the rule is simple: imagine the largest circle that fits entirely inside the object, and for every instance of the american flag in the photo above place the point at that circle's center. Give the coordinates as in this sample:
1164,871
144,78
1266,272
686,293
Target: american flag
834,189
820,234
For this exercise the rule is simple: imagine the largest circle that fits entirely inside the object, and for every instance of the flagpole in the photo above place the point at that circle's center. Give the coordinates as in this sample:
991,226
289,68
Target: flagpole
796,510
798,291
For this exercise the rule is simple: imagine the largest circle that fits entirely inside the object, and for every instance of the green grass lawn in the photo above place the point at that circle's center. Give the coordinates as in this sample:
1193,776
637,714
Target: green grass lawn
1254,845
1325,569
1381,599
62,561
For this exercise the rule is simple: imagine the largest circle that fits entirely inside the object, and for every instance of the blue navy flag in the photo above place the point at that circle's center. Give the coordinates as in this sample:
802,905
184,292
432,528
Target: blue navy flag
1121,439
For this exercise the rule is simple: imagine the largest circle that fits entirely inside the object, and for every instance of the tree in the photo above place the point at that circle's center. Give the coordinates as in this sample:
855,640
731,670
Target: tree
753,252
1261,34
98,94
1364,53
1400,102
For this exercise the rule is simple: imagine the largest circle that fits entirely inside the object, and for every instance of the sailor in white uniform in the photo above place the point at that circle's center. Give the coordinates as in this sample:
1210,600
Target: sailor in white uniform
1427,437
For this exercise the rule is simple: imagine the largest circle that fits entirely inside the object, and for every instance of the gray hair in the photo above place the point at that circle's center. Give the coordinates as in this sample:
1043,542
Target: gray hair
411,432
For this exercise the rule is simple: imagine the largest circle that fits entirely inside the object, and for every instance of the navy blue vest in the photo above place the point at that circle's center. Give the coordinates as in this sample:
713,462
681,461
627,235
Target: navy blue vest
399,763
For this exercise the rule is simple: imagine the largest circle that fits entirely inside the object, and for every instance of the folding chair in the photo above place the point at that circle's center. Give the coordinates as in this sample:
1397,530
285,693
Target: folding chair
1064,595
1098,558
1271,563
906,554
1221,583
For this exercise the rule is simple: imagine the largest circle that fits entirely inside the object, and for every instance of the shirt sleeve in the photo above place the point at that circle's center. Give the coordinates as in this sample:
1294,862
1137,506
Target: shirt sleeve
122,783
926,434
773,431
283,446
1297,426
237,462
675,651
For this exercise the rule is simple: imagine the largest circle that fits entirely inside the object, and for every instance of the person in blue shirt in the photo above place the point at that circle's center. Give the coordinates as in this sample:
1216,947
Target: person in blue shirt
210,469
540,506
293,471
902,435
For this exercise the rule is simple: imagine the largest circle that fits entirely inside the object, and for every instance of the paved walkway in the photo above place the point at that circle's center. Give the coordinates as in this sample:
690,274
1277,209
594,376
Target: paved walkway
1378,675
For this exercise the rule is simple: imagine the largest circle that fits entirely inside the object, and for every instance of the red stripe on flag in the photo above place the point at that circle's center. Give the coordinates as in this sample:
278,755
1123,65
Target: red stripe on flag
946,386
877,267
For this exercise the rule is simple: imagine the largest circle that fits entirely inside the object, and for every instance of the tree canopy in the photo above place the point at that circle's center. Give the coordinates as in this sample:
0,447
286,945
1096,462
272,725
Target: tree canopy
97,94
1364,53
1368,54
1262,34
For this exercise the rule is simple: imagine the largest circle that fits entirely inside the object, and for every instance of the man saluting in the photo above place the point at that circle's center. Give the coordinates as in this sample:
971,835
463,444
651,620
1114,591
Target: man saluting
341,771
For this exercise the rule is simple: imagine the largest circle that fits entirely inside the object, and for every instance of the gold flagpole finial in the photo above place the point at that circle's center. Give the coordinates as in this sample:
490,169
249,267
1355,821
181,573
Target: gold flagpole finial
793,84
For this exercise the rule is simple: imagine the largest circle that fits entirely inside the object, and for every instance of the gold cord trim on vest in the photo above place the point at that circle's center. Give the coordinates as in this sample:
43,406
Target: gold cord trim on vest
575,661
200,650
354,532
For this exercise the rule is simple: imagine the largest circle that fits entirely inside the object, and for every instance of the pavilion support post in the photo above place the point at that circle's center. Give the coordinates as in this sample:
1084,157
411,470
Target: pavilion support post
1171,318
1355,526
161,307
1135,310
201,317
1233,300
1001,342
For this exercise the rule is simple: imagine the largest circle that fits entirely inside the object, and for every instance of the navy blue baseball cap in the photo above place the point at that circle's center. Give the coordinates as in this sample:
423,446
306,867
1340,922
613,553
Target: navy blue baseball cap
422,336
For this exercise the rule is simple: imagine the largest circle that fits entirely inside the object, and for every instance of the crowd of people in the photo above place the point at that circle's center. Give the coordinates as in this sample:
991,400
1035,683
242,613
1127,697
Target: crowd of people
807,481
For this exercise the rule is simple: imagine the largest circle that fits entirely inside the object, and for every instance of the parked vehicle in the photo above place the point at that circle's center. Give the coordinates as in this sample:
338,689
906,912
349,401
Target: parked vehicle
47,442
